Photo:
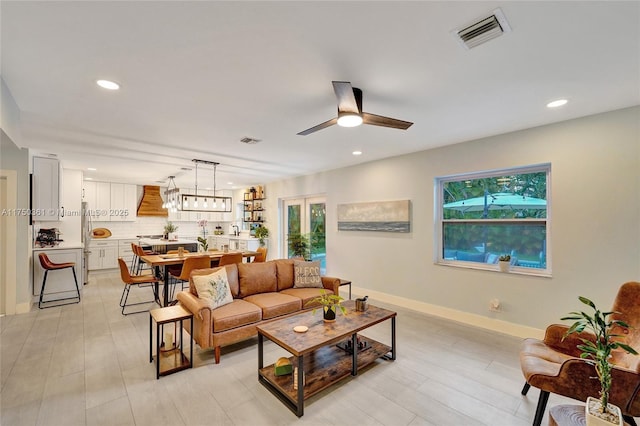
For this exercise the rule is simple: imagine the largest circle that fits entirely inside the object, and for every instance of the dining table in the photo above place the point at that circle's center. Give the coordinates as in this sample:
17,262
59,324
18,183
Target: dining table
163,261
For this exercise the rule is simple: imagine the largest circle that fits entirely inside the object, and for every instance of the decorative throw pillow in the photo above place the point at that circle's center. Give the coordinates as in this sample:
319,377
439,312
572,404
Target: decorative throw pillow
306,274
214,288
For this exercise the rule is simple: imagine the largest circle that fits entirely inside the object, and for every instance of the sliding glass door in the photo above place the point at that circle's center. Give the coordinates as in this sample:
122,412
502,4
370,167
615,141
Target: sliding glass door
305,229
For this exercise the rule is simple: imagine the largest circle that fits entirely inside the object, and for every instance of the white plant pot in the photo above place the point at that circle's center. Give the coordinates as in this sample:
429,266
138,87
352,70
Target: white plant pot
173,236
593,420
504,265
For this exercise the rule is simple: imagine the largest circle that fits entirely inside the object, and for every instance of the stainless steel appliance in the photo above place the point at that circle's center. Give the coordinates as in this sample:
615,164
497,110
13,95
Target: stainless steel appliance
86,235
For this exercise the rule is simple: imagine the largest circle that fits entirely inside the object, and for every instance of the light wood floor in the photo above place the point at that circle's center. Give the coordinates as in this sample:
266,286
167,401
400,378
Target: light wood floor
87,364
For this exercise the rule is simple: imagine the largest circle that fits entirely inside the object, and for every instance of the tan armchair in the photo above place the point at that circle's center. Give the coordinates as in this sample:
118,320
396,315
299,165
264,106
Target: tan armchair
553,365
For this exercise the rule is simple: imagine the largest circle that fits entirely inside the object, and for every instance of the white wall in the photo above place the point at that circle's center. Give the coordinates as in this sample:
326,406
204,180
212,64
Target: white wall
9,115
595,242
14,158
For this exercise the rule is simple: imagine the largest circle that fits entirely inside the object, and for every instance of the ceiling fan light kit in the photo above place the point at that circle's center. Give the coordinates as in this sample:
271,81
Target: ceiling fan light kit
349,120
350,112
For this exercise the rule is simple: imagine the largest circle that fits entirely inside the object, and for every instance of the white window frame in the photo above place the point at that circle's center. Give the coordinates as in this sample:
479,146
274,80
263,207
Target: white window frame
439,221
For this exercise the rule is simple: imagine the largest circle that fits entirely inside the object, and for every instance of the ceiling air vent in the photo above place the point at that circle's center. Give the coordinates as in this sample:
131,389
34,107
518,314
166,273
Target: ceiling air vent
483,30
249,141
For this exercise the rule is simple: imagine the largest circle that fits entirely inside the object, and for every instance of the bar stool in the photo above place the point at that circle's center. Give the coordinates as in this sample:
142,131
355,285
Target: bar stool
48,265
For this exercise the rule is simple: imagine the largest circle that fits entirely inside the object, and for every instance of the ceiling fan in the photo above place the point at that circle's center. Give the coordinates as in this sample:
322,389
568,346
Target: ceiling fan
350,112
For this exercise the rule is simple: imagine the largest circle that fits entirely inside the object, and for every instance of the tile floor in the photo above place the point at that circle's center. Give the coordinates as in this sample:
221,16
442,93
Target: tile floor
86,364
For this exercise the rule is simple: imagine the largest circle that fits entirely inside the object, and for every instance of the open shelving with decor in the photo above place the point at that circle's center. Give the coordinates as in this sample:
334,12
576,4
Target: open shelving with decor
253,207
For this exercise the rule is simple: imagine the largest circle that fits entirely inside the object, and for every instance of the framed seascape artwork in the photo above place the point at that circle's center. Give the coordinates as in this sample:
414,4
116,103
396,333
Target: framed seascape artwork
386,216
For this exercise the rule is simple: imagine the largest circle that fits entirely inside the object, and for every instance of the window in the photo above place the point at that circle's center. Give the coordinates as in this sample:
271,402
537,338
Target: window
481,216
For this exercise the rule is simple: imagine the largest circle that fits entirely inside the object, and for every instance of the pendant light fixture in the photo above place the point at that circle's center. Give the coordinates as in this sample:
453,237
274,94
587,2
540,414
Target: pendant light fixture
195,201
171,195
214,185
190,202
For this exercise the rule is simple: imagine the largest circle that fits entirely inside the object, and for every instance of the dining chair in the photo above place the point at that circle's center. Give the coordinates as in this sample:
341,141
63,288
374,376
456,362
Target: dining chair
139,280
553,365
137,265
190,263
261,256
230,258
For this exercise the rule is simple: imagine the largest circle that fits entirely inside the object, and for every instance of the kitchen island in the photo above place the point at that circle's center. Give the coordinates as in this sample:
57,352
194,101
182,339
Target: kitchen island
160,245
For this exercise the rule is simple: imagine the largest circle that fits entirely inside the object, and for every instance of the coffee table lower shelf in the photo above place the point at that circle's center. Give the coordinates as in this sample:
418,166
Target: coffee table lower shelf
322,368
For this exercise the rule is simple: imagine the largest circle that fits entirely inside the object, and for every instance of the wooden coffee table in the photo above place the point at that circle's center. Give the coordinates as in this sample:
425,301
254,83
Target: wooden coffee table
316,353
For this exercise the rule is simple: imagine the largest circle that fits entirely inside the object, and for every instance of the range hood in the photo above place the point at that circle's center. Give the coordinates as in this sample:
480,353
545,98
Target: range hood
151,203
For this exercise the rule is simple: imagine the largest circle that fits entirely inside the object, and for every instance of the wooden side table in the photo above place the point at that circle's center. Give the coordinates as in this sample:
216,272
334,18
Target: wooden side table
169,355
346,282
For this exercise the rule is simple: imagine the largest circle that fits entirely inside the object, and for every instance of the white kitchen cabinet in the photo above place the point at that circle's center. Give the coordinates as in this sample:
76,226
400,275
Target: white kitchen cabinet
244,243
98,197
46,189
221,241
125,251
104,254
123,202
57,281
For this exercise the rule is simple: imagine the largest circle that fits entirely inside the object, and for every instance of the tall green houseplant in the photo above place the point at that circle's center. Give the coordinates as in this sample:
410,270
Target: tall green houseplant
261,233
599,350
299,246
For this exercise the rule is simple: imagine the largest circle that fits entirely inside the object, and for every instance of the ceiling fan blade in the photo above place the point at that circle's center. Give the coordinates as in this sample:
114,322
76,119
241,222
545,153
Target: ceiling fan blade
319,127
346,97
378,120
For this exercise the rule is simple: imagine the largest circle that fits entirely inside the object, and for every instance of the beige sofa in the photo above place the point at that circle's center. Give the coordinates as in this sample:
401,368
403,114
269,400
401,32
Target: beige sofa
261,292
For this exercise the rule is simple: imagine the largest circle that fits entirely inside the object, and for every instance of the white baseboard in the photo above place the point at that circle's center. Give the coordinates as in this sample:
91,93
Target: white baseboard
512,329
23,308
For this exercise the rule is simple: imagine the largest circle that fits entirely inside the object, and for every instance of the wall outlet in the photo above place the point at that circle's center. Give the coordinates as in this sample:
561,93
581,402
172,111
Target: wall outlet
494,305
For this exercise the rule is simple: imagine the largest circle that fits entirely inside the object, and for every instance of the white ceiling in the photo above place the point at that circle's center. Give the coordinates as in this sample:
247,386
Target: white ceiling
198,76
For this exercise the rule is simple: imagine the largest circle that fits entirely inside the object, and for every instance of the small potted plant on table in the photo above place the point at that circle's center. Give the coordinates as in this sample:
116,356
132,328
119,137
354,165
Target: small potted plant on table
170,231
330,304
597,352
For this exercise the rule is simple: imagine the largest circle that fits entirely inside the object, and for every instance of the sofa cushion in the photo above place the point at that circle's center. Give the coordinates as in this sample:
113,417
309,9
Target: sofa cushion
305,294
235,314
214,288
284,271
257,278
275,304
306,274
232,278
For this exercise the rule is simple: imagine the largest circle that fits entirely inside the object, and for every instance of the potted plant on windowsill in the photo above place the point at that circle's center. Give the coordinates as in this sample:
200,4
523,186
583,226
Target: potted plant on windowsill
504,262
261,233
330,304
597,352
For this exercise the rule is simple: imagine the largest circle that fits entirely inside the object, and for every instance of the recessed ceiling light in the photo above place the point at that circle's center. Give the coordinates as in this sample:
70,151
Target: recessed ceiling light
109,85
88,178
357,152
229,183
557,103
93,169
